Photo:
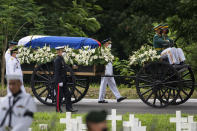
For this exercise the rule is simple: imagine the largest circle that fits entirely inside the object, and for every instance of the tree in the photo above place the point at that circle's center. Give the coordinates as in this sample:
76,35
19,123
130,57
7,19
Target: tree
12,16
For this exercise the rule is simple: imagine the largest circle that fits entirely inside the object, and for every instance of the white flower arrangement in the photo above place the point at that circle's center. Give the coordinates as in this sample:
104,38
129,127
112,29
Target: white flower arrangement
25,55
85,56
145,54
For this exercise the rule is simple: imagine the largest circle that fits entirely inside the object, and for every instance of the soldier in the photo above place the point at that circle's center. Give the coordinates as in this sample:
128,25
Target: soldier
158,42
108,80
14,67
162,45
17,108
60,80
7,53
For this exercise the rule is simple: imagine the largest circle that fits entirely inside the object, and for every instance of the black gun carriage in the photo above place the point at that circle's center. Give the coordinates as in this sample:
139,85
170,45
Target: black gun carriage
158,84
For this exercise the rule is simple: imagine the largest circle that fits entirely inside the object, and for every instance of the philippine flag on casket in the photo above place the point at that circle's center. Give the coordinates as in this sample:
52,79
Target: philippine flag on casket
54,41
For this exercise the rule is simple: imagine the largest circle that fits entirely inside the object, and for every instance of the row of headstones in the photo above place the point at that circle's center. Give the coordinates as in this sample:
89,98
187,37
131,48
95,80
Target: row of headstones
182,123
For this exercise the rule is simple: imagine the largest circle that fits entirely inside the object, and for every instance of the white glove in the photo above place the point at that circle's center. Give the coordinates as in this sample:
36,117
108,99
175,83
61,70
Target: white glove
61,84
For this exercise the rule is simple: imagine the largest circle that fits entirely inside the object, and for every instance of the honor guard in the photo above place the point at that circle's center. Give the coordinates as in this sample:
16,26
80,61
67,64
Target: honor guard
12,44
108,80
14,67
17,108
158,42
60,81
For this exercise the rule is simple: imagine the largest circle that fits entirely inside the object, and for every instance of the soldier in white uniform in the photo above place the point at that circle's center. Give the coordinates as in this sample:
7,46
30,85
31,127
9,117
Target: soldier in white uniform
17,108
14,67
7,53
108,80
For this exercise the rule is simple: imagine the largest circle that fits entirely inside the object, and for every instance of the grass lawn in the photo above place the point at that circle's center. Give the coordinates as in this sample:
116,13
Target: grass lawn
93,92
153,122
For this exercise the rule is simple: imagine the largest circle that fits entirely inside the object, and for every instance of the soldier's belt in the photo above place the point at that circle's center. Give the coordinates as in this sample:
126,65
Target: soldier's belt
158,49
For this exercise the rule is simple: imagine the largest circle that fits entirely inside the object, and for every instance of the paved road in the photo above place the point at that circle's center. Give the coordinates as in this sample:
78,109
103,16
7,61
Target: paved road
131,106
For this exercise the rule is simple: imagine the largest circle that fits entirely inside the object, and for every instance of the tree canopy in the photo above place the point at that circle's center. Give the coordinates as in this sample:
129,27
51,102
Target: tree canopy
128,22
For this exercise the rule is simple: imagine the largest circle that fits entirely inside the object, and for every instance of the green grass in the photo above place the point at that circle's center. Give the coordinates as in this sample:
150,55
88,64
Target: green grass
153,122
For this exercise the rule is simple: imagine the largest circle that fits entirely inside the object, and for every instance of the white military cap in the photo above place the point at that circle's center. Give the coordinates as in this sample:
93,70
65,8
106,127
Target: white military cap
14,77
59,47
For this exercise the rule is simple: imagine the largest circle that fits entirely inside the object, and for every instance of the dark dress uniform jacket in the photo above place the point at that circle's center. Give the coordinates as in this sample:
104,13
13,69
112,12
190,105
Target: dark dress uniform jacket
59,69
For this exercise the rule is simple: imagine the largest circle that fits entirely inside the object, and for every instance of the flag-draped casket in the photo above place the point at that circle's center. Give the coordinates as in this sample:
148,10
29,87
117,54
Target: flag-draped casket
53,41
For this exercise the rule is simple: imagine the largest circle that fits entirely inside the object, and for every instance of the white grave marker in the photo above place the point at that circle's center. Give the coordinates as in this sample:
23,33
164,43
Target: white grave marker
67,121
80,125
43,127
133,124
113,117
178,120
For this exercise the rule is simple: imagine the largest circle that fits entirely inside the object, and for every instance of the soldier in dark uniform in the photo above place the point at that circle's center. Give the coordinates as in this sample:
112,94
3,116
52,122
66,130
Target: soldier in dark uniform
158,42
60,81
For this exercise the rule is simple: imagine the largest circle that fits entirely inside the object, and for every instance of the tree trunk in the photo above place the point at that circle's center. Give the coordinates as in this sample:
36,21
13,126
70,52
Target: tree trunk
4,45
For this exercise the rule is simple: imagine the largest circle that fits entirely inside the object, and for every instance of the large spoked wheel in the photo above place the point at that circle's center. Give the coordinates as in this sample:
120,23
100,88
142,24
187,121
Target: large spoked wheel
157,84
187,83
78,85
42,84
44,88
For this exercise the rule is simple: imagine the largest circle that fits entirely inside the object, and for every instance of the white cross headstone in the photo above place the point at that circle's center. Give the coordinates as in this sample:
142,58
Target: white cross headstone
113,117
190,125
133,124
178,120
67,121
80,125
43,127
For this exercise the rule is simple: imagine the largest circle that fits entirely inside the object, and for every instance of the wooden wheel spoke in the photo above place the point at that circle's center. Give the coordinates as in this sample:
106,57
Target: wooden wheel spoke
187,87
149,96
41,76
155,97
37,81
144,80
170,82
145,86
170,87
40,87
147,91
82,86
42,92
174,74
185,74
169,94
164,92
78,91
46,97
184,92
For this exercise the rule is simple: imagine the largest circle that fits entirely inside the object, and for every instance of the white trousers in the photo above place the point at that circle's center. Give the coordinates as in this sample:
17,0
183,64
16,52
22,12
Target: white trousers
175,55
112,84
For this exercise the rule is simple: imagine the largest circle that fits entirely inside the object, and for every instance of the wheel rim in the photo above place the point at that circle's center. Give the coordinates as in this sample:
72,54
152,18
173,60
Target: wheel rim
155,83
42,84
187,83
